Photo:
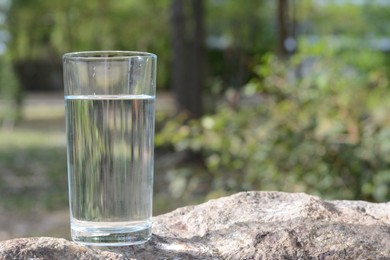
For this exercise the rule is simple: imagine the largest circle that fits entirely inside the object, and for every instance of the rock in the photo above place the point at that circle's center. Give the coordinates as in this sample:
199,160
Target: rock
49,248
247,225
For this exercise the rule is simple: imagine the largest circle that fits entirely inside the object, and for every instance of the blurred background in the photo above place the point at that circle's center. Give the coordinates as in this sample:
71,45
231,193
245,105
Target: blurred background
288,95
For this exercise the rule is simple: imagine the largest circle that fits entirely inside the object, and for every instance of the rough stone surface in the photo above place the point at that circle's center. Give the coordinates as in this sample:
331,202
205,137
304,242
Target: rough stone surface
247,225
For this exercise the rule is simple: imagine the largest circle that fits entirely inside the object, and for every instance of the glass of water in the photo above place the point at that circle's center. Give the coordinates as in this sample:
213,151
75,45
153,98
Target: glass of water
109,102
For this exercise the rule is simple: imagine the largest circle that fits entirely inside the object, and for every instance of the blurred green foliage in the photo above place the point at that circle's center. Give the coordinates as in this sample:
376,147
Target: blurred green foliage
317,123
10,91
33,170
44,29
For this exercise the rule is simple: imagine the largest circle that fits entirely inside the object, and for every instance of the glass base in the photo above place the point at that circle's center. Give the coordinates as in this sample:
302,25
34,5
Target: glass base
118,236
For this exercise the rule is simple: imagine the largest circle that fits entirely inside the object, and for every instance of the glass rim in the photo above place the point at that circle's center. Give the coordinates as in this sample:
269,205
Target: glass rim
107,55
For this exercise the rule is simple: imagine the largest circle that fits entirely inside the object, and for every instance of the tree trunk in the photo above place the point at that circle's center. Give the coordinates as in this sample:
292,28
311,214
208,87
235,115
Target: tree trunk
283,26
187,64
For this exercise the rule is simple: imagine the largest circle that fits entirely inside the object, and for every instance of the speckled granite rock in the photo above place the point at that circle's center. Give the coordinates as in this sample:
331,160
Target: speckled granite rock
247,225
49,248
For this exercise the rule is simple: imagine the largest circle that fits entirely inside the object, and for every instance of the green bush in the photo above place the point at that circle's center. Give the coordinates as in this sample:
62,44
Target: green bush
316,123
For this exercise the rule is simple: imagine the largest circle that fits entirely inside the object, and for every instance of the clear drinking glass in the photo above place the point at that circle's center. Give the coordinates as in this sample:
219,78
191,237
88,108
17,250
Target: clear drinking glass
109,102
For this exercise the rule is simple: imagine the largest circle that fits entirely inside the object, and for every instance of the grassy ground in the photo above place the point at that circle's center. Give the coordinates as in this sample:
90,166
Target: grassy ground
33,181
33,159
